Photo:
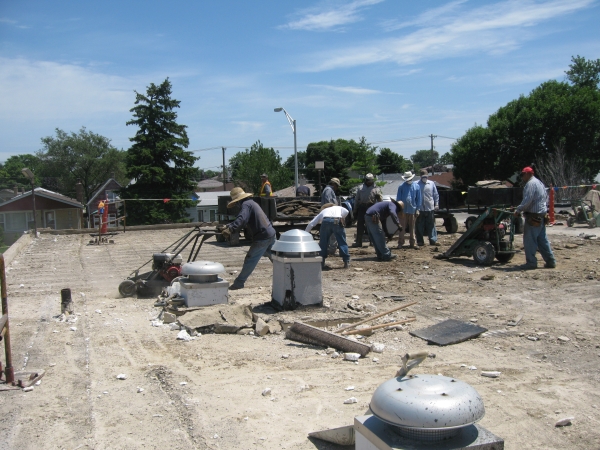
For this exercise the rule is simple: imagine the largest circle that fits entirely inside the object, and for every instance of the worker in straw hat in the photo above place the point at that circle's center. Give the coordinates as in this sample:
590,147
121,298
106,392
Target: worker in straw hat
332,219
409,193
252,218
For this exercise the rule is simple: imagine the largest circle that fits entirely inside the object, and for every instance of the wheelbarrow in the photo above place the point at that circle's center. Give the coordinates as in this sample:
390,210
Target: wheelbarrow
586,210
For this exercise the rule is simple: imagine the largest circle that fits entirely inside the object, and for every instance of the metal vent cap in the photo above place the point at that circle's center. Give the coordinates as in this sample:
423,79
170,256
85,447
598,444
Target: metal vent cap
296,241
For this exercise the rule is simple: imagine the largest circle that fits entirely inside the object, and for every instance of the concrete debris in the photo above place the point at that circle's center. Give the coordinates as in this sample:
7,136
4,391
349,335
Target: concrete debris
140,390
245,331
564,422
349,388
350,401
563,339
174,326
370,307
98,311
183,383
351,356
266,391
358,269
28,389
73,328
184,336
335,355
274,327
375,360
533,338
472,368
377,348
490,374
169,318
488,277
156,323
226,328
355,297
121,376
285,356
261,327
329,351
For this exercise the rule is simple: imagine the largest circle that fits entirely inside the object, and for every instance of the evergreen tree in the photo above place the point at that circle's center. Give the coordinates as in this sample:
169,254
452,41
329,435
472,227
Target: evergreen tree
157,162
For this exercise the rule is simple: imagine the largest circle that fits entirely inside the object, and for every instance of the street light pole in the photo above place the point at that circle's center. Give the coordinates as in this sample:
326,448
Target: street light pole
29,174
293,125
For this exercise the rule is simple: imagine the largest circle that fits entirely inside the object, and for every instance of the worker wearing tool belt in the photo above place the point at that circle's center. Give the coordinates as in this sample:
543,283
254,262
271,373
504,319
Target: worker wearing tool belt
250,217
375,219
332,218
366,196
534,207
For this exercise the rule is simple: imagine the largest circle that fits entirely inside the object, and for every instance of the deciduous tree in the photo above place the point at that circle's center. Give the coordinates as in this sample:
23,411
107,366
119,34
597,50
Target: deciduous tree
249,165
391,162
86,156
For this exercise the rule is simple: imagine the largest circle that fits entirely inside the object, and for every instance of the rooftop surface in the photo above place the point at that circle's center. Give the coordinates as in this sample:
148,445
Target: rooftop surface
206,393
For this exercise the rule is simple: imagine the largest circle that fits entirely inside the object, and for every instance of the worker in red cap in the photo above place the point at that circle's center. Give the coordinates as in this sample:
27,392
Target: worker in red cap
534,207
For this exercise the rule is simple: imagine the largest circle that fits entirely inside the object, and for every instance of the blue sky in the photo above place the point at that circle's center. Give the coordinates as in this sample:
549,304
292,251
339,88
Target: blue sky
388,70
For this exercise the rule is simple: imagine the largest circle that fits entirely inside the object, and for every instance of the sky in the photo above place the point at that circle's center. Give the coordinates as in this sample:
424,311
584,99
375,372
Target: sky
393,71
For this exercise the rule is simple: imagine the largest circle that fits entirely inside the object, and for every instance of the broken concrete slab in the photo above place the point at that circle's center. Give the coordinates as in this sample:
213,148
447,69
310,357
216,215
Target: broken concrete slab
237,316
169,318
226,328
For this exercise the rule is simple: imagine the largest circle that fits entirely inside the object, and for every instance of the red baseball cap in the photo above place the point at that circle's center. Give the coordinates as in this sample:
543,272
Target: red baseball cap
527,170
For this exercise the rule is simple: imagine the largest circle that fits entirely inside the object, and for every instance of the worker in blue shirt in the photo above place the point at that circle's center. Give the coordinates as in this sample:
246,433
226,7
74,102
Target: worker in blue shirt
409,193
252,218
375,218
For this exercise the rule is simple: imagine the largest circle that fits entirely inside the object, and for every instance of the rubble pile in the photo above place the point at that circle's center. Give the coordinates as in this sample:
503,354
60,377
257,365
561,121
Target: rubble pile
299,208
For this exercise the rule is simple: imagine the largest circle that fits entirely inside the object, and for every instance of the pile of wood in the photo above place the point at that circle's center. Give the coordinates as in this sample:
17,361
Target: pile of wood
298,208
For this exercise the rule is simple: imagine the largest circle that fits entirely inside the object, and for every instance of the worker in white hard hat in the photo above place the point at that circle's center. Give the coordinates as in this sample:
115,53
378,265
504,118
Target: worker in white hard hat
252,218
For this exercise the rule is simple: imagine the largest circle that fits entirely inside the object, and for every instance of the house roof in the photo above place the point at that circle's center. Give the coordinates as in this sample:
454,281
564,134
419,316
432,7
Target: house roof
209,183
102,189
290,191
41,192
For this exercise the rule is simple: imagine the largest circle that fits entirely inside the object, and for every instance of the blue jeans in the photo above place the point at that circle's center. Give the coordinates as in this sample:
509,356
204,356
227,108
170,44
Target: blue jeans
425,226
255,252
377,238
534,239
328,229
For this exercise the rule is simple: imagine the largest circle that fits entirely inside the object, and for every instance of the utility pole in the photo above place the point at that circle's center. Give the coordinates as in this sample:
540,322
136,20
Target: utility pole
432,154
224,171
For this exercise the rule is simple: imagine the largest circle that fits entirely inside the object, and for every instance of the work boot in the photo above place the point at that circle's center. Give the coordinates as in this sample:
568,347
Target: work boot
550,265
391,257
235,287
357,245
346,264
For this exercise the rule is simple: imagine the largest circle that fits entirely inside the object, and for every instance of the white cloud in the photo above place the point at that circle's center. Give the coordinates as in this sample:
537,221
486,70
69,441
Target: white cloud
327,18
496,28
48,90
348,89
245,126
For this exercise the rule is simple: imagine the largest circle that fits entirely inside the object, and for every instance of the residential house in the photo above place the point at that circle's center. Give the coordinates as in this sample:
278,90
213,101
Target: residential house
108,191
207,206
53,210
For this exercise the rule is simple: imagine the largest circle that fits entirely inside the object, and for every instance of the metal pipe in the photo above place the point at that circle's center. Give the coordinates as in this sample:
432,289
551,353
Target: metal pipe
9,370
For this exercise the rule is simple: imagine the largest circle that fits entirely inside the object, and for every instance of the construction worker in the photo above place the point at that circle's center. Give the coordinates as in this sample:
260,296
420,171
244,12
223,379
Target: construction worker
408,193
329,196
366,196
534,207
265,189
430,203
332,219
375,218
303,191
329,193
252,218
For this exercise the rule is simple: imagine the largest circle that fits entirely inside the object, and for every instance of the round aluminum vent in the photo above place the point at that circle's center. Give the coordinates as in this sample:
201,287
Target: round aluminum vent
296,241
202,271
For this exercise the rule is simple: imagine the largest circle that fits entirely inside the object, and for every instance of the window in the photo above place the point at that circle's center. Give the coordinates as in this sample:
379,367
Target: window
112,220
200,215
213,212
110,195
16,221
